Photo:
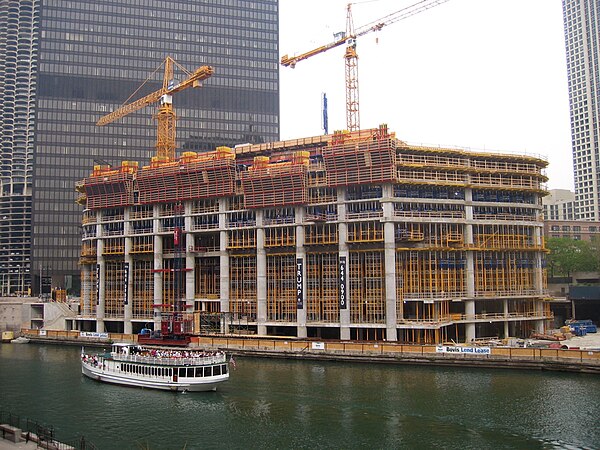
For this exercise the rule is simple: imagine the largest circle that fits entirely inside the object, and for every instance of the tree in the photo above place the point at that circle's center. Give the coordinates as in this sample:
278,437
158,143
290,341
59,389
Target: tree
569,255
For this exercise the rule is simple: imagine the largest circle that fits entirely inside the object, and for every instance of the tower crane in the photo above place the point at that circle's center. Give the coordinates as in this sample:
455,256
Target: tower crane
351,57
165,136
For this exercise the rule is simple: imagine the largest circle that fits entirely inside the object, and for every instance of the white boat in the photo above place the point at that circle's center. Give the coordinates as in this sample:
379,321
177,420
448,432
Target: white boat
20,340
171,369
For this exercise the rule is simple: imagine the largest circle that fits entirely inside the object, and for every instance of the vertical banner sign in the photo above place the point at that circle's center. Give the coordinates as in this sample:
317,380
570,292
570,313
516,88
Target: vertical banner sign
126,283
299,283
97,284
343,292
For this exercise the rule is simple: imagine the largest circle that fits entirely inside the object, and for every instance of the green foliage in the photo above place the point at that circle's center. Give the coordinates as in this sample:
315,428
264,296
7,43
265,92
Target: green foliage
569,255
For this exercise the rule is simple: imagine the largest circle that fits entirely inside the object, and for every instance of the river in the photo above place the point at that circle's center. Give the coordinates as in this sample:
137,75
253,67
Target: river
279,404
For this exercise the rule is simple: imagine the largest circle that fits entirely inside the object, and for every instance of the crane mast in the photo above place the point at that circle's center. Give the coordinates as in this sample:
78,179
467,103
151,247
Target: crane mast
165,135
351,56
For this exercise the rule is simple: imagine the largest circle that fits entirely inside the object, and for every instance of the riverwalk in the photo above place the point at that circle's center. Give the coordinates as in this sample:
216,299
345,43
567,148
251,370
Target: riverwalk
580,358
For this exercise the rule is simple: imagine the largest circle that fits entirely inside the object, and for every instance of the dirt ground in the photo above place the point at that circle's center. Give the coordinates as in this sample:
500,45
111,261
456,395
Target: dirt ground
591,341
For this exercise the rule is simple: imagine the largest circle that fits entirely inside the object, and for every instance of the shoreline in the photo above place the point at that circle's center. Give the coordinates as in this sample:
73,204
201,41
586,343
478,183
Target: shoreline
515,358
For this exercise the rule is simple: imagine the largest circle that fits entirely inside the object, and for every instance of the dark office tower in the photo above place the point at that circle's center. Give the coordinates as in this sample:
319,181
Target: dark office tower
69,62
582,39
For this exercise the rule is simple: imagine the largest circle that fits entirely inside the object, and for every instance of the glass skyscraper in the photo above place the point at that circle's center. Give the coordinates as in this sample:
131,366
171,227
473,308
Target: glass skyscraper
582,39
66,63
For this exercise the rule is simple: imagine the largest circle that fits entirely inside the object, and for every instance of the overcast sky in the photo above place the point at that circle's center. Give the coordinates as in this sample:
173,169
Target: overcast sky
479,74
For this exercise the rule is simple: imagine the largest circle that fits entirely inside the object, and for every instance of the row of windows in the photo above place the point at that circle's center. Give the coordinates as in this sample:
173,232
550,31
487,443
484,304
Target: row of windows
189,22
181,372
236,8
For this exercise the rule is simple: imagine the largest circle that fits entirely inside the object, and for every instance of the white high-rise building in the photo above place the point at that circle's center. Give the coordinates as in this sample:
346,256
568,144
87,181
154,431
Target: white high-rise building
582,40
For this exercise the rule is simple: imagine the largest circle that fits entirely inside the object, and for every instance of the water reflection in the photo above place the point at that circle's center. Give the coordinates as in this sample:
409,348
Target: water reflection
308,404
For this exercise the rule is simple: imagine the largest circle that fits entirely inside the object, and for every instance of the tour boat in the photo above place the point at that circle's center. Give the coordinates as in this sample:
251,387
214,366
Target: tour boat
172,369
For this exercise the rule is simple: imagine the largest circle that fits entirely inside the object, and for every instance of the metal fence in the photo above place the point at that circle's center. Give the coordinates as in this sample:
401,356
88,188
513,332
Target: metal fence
43,435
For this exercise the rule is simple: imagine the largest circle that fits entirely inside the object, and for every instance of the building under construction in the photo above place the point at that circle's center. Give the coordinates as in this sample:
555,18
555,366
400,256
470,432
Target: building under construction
353,236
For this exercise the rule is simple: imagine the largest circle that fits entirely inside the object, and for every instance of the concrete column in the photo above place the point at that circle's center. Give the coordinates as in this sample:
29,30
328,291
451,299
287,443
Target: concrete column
538,273
344,253
158,265
470,267
470,327
505,308
223,258
128,307
301,330
390,281
261,275
100,302
190,274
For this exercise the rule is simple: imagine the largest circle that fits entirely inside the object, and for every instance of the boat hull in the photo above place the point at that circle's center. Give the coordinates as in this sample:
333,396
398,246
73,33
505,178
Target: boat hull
107,375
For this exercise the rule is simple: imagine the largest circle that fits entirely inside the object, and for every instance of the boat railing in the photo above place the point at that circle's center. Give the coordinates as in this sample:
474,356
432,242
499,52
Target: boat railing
170,361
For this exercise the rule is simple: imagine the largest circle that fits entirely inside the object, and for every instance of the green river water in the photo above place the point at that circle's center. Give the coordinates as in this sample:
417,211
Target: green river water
281,404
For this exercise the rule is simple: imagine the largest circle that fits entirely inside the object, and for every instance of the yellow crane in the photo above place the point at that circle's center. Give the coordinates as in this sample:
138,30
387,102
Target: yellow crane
351,57
165,135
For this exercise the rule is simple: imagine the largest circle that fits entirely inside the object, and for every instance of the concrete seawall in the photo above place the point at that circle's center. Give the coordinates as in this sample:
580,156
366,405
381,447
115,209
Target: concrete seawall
583,361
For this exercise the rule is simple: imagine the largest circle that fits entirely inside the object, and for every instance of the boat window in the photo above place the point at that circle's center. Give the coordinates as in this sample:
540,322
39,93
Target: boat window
198,371
224,369
181,372
217,370
170,372
207,371
190,372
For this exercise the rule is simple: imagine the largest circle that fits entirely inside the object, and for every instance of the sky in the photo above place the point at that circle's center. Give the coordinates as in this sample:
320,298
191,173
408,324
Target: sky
475,74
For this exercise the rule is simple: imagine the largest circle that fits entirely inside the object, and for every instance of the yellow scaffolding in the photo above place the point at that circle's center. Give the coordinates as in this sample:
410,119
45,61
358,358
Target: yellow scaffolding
280,237
431,274
243,238
142,295
142,244
281,288
242,286
504,273
114,246
87,304
114,294
321,234
322,287
207,276
367,287
365,232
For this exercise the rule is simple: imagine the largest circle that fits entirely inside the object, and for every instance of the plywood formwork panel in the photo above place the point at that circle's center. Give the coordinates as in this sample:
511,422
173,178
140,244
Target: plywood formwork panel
360,161
109,190
190,180
275,186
